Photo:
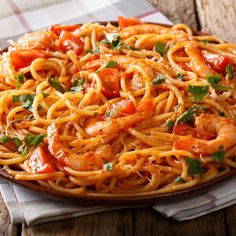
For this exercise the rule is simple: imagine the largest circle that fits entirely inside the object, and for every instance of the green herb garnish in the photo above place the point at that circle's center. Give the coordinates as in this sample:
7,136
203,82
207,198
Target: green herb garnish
108,166
53,82
132,48
219,155
113,39
110,64
213,80
77,85
26,99
4,138
170,124
180,76
188,115
194,167
19,79
229,71
198,91
161,48
159,79
180,180
96,51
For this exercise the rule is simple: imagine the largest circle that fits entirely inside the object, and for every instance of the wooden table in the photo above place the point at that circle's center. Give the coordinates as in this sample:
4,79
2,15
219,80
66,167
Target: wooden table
211,16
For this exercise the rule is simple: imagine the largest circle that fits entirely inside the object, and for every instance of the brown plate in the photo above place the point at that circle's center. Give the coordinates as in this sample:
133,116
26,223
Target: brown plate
118,199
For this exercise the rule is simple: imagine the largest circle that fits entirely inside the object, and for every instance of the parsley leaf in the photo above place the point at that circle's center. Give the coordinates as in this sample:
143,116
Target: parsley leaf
198,91
180,76
26,99
30,141
53,82
45,95
187,115
19,79
159,79
96,51
4,138
203,41
229,71
180,180
114,39
77,85
108,166
219,155
110,64
161,48
132,48
194,167
170,124
213,80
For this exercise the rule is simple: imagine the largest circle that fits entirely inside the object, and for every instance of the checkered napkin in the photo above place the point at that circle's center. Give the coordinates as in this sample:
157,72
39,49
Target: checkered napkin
24,205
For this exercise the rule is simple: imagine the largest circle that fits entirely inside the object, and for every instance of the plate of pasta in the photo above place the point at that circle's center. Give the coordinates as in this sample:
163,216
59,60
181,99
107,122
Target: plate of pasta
118,111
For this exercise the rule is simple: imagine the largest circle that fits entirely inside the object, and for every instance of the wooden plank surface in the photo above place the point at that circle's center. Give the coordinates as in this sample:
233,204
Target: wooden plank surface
218,17
5,227
178,11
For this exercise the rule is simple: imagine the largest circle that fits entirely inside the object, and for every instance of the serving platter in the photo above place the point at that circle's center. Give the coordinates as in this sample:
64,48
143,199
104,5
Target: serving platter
123,199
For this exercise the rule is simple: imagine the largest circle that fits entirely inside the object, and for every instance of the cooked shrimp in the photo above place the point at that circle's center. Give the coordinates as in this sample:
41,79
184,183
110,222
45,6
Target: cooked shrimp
37,40
140,29
198,63
91,160
95,127
224,129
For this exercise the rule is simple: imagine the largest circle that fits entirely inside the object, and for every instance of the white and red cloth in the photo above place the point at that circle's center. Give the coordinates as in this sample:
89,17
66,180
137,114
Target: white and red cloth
24,205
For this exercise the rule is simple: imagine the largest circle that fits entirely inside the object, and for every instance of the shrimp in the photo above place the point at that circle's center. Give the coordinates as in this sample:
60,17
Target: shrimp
198,63
224,129
95,127
140,29
91,160
37,40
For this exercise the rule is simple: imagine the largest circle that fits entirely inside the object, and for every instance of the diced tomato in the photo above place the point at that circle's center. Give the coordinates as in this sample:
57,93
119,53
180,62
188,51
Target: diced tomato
56,29
23,58
126,107
40,162
94,57
147,105
216,61
110,82
67,41
183,129
125,22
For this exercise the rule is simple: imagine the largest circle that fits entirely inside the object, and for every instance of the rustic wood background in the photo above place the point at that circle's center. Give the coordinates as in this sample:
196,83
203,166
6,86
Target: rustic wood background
216,17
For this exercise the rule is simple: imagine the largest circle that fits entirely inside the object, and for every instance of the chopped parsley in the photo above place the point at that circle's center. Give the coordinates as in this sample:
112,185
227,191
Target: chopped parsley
4,138
180,76
132,48
194,167
26,100
188,115
161,48
221,113
77,85
198,91
113,39
170,124
110,64
159,79
108,166
96,51
45,95
30,141
203,41
213,80
219,155
53,82
180,180
19,80
229,71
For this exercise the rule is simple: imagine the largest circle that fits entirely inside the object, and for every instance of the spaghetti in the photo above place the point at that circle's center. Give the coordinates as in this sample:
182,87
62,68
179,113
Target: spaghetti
120,109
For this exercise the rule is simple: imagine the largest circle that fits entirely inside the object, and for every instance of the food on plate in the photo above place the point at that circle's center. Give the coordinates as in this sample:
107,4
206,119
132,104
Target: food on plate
124,109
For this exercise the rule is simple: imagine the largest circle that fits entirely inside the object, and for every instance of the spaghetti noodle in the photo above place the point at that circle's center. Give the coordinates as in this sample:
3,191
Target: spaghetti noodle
120,109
